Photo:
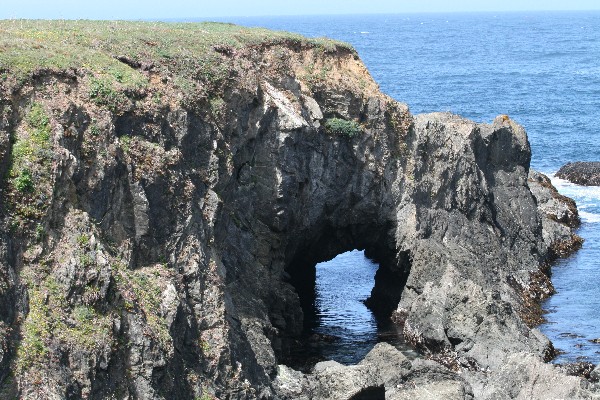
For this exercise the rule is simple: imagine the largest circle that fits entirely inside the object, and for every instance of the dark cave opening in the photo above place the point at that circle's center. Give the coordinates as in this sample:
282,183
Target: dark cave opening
347,290
372,393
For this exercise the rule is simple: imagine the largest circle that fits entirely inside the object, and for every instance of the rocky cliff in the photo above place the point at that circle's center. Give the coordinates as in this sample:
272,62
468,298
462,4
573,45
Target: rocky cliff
169,188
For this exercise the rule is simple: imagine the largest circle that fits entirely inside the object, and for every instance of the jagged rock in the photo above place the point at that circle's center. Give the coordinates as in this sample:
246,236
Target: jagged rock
595,374
337,381
580,369
429,380
390,363
561,215
586,173
532,379
381,371
556,207
291,384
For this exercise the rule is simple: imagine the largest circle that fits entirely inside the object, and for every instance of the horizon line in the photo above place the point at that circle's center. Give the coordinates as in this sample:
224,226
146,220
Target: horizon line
221,17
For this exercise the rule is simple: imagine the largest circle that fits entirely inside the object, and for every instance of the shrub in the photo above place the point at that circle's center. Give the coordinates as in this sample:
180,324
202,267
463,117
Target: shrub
338,126
212,70
94,130
83,314
86,260
37,117
103,93
24,182
40,232
125,143
83,240
315,77
29,176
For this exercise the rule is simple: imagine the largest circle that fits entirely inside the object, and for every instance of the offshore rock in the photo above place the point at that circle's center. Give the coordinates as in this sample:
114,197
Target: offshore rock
586,173
159,240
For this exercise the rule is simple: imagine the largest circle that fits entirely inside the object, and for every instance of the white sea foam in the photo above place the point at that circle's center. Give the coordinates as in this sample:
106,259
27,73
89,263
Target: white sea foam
588,196
589,217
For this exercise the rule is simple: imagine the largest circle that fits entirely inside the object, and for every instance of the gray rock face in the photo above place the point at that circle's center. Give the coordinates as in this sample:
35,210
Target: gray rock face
560,214
532,379
429,380
586,173
466,232
384,371
178,245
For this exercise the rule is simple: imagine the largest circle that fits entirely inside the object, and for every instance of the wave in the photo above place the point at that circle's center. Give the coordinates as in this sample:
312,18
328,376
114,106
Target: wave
568,188
589,217
586,197
587,72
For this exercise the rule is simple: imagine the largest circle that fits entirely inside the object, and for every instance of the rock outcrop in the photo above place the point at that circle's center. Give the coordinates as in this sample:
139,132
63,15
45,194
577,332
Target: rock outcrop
384,373
559,217
586,173
162,218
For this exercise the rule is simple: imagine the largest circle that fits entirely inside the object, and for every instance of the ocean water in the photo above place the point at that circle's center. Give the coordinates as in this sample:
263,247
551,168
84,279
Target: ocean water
343,284
542,69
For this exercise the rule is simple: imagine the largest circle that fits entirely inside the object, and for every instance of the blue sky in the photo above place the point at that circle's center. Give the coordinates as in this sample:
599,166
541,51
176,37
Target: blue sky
163,9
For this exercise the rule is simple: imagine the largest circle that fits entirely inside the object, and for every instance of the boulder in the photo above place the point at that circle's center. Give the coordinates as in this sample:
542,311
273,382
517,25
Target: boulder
382,370
530,378
428,380
586,173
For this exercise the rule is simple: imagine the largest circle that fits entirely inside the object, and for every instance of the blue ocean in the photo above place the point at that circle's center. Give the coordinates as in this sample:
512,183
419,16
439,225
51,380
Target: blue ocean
542,69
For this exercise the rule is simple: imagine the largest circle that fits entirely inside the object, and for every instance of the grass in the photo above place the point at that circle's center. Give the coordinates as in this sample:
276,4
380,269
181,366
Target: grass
342,127
23,181
217,106
141,290
40,233
114,51
83,240
314,76
33,348
125,142
104,93
31,162
51,317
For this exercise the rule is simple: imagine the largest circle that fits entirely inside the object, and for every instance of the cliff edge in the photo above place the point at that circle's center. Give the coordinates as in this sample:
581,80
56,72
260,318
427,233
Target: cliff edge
169,188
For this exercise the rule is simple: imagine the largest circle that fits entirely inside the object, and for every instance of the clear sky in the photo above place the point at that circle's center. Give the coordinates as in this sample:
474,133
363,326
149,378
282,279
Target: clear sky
163,9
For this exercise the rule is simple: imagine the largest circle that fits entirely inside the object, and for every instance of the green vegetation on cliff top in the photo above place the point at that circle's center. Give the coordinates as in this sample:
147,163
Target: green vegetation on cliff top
180,48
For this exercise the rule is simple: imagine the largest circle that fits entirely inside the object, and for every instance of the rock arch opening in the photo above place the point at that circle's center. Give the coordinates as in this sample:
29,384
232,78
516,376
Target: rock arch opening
348,284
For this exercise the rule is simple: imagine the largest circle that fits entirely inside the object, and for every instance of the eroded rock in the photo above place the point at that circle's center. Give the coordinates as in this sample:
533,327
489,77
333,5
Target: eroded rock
428,380
381,371
532,379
